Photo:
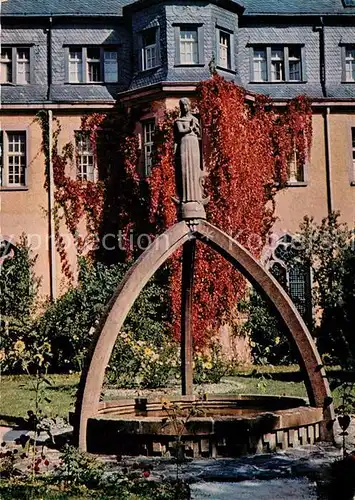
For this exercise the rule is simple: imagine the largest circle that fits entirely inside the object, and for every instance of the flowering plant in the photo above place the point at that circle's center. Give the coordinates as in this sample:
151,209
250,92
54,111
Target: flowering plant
137,363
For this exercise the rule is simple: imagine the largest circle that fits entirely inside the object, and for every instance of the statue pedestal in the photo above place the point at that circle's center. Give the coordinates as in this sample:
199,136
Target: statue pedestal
192,210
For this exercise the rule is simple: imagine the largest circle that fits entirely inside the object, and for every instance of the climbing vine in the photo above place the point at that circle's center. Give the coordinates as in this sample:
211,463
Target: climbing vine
247,147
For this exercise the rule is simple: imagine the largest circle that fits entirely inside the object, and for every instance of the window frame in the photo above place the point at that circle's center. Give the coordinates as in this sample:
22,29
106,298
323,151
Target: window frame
352,156
272,258
85,61
230,50
285,61
147,144
305,171
5,185
14,63
94,62
142,49
112,50
199,27
344,48
78,134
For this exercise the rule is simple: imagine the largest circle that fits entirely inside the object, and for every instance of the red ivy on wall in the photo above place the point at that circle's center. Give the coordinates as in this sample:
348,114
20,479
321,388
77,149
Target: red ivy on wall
247,147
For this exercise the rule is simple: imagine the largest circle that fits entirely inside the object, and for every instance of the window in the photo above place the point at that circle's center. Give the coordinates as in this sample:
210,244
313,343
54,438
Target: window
224,49
277,64
6,65
296,173
13,158
294,278
92,64
148,133
294,64
150,48
15,65
110,65
189,45
259,65
350,64
352,177
85,170
75,66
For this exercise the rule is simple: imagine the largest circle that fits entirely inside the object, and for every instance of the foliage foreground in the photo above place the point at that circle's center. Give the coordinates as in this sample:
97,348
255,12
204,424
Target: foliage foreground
78,475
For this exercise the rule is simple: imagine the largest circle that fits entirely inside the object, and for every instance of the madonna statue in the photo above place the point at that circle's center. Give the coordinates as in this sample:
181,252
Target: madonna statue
187,132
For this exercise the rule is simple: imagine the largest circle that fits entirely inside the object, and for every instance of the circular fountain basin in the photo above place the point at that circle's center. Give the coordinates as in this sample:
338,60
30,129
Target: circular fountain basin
215,426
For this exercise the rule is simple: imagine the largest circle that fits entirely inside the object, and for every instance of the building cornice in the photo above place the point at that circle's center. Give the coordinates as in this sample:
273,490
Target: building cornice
159,91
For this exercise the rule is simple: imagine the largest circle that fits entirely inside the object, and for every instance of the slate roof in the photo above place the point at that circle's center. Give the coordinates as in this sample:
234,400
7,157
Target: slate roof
284,7
114,7
14,94
84,93
63,7
284,91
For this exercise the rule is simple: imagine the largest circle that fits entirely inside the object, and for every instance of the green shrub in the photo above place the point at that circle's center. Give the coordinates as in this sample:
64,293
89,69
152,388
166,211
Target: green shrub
18,282
142,364
71,321
18,296
210,366
268,338
328,249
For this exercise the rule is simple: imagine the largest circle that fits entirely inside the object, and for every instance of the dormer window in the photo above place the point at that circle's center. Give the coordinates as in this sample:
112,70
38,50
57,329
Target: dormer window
350,63
15,65
110,65
277,64
75,65
189,45
224,49
149,49
92,64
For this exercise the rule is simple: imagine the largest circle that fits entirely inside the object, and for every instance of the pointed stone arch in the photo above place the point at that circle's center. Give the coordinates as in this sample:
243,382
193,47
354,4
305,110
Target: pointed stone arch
144,268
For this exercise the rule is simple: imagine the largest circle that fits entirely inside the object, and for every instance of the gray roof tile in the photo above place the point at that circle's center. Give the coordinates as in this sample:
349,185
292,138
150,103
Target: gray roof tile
341,91
279,7
286,91
114,7
25,94
63,7
84,93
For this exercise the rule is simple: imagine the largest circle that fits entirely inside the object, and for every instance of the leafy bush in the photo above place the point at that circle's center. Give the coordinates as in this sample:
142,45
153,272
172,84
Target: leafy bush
209,366
328,249
78,468
18,295
141,363
71,321
18,283
267,335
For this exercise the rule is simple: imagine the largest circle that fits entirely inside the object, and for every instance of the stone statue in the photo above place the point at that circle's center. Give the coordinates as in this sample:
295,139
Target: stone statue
189,175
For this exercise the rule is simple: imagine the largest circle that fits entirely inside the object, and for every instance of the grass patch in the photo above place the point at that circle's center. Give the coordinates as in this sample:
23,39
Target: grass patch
17,394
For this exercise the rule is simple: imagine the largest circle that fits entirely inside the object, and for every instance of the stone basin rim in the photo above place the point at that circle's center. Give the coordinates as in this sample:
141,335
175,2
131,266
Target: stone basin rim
262,403
142,427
